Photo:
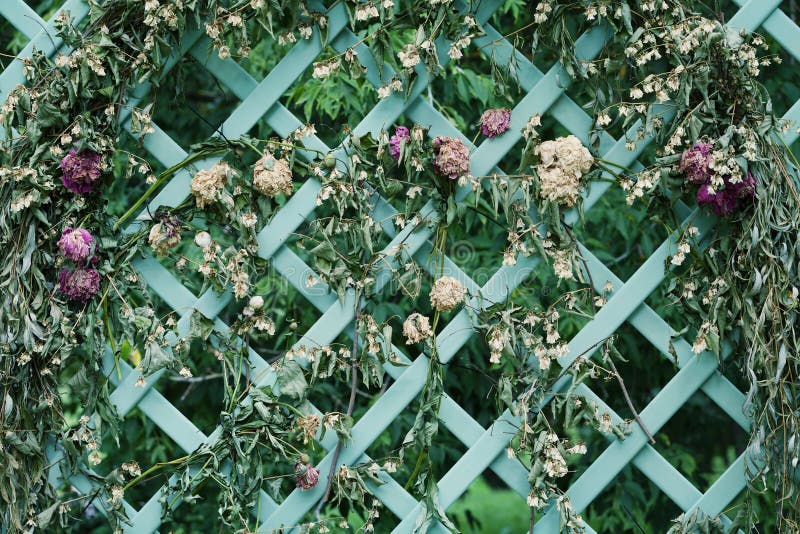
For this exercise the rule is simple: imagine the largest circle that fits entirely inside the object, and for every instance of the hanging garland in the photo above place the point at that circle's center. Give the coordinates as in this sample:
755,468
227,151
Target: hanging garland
72,293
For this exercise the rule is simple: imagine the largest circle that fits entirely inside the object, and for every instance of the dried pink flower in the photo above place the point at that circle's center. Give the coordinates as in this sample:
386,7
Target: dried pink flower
495,122
76,244
307,475
451,157
79,285
401,133
696,162
80,170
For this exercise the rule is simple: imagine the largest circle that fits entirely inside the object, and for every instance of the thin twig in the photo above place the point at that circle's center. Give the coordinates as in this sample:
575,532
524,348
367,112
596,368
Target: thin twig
350,406
630,403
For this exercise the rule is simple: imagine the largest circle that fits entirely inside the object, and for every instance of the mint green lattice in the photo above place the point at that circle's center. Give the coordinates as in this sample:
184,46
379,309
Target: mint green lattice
485,447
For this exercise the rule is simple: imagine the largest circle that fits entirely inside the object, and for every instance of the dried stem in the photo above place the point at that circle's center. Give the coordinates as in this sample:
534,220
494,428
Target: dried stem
350,406
630,403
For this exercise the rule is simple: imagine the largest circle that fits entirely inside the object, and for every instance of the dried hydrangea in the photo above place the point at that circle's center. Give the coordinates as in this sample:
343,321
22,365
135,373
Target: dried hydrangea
495,122
165,235
79,285
447,293
76,244
451,157
562,164
272,176
80,170
416,328
696,162
307,475
208,184
401,133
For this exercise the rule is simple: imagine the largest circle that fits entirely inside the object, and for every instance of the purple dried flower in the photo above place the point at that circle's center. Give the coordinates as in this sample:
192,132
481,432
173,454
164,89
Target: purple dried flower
76,244
495,121
79,285
696,162
451,157
80,170
401,133
727,200
307,475
744,189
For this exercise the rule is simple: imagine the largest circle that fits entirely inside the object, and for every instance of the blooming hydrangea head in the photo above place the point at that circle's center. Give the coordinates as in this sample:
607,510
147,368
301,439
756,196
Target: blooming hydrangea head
76,244
80,170
446,293
696,162
451,157
416,328
79,285
495,121
401,133
272,176
307,475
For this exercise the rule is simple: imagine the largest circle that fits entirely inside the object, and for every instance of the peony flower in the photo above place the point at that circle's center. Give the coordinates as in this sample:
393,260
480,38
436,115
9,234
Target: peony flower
307,475
696,162
495,121
447,293
76,244
416,328
451,157
207,184
165,235
272,176
401,133
79,285
80,170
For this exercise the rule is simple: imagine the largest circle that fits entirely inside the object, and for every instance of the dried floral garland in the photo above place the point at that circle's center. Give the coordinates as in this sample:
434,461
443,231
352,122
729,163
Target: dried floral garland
73,291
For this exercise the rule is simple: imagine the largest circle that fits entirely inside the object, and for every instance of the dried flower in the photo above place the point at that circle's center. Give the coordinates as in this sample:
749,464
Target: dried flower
202,239
401,133
207,184
165,235
307,475
447,293
272,176
80,170
563,162
76,244
495,121
416,328
696,163
79,285
727,200
451,157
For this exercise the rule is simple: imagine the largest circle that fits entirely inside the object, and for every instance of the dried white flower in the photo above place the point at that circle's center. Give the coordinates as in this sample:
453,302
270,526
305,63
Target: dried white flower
416,328
447,293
